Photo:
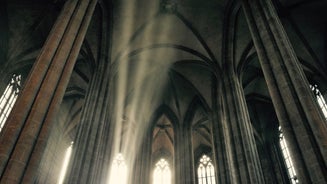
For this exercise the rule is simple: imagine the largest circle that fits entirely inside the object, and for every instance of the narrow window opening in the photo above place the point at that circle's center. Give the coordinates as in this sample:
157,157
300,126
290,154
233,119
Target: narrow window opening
119,170
65,163
206,171
287,158
162,173
320,99
8,98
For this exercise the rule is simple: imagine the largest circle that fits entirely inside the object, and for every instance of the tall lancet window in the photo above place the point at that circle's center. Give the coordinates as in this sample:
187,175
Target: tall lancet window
287,158
65,163
162,173
320,99
206,171
9,97
118,170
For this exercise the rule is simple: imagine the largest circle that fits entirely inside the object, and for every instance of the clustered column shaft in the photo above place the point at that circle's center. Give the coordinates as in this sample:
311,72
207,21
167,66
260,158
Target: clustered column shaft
25,135
303,123
184,157
91,150
243,160
27,129
142,166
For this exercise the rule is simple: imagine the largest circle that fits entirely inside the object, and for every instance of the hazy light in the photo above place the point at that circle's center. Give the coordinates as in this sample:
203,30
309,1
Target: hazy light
118,173
140,76
65,164
162,174
140,79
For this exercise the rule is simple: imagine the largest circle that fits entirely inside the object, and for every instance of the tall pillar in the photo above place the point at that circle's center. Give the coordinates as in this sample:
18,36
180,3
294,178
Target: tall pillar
223,173
91,152
55,154
184,157
277,159
27,129
297,111
242,155
268,146
272,162
142,166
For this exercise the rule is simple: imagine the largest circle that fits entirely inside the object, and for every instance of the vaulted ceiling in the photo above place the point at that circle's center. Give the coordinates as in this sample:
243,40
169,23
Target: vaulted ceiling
163,53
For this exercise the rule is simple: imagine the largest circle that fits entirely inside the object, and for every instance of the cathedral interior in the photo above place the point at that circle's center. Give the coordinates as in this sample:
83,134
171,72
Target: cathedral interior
163,91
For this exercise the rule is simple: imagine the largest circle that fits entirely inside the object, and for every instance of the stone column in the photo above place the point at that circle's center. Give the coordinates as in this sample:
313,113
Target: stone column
297,111
49,173
24,136
94,130
277,159
91,152
223,174
142,166
272,162
242,156
184,166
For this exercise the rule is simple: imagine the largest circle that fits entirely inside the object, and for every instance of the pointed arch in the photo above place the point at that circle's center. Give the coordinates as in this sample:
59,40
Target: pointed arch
164,132
164,110
196,103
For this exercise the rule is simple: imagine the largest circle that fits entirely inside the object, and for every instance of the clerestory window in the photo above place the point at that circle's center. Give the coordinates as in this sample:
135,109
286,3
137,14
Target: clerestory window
320,99
65,163
206,171
162,173
287,158
8,98
118,170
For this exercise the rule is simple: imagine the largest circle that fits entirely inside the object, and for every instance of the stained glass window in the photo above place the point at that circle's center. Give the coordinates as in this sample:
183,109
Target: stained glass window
206,171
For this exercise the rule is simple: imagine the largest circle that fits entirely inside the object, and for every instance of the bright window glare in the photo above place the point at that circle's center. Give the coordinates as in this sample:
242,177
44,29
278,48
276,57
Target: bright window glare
118,171
65,164
8,98
320,99
162,174
287,158
206,171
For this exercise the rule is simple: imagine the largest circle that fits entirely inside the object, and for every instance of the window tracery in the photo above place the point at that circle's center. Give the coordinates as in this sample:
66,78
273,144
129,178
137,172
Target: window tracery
119,170
162,173
9,97
206,171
